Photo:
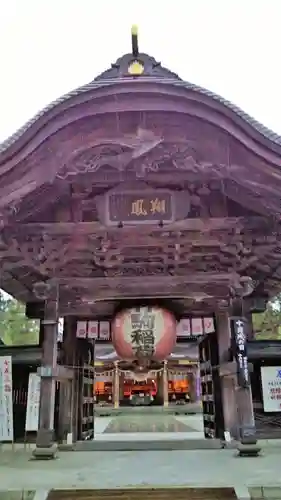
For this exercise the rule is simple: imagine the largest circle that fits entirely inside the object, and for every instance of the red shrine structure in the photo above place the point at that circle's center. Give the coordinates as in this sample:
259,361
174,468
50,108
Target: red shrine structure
134,192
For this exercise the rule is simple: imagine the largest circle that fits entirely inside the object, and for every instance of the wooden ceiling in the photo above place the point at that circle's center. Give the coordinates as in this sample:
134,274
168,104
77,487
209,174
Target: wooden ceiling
197,261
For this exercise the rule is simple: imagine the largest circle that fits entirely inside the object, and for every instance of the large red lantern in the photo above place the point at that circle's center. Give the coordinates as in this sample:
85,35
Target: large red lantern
144,333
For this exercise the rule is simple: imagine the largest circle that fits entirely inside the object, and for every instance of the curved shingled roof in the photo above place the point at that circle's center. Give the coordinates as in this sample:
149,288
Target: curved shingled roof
153,71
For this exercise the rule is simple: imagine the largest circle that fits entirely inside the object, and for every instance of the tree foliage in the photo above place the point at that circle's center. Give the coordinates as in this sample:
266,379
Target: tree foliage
267,325
15,328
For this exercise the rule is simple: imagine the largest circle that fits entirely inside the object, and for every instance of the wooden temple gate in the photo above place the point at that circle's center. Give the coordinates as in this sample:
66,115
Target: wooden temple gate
142,188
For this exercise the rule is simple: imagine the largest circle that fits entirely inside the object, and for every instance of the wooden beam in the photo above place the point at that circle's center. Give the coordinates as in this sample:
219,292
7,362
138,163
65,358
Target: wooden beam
139,281
93,228
245,197
22,292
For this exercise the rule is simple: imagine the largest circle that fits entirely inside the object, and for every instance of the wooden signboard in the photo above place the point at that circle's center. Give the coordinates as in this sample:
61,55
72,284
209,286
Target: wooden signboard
140,207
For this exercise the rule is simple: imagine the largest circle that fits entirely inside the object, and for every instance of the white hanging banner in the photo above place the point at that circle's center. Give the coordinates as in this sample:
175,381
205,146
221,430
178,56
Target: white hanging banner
271,388
6,399
183,328
33,401
81,329
209,326
196,326
93,329
60,330
104,333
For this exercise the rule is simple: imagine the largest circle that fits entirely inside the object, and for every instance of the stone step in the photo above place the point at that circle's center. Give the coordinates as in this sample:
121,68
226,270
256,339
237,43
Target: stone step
148,444
146,494
189,409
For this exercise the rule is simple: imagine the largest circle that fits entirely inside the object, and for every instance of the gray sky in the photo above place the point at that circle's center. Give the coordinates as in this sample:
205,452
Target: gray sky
51,46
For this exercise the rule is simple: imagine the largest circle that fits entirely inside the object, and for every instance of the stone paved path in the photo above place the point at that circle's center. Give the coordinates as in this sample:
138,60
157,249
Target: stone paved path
148,423
145,427
197,468
149,468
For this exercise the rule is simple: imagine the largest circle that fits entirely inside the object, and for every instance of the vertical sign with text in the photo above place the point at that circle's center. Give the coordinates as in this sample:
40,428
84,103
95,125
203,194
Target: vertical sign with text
6,399
271,388
239,341
33,403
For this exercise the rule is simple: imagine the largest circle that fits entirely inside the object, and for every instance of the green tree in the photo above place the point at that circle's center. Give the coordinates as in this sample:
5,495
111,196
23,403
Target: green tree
15,328
267,325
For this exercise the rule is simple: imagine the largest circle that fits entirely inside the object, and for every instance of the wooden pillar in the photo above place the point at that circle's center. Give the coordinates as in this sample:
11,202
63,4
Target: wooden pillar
228,376
247,430
165,385
198,384
66,394
121,386
194,385
116,390
160,387
45,446
192,381
77,388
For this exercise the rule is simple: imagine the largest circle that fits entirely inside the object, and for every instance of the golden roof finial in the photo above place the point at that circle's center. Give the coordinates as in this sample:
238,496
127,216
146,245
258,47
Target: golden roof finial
134,30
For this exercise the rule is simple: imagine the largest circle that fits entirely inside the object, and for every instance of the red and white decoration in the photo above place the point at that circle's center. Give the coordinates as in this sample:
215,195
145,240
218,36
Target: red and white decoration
97,330
195,326
81,329
186,327
93,329
144,332
104,333
6,400
208,325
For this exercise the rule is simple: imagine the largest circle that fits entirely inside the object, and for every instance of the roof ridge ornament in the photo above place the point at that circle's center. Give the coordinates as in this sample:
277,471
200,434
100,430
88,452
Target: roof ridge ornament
135,40
136,64
136,67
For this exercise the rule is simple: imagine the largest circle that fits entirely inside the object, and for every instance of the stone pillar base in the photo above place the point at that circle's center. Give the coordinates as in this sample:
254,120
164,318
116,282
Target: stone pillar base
45,453
45,449
248,450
